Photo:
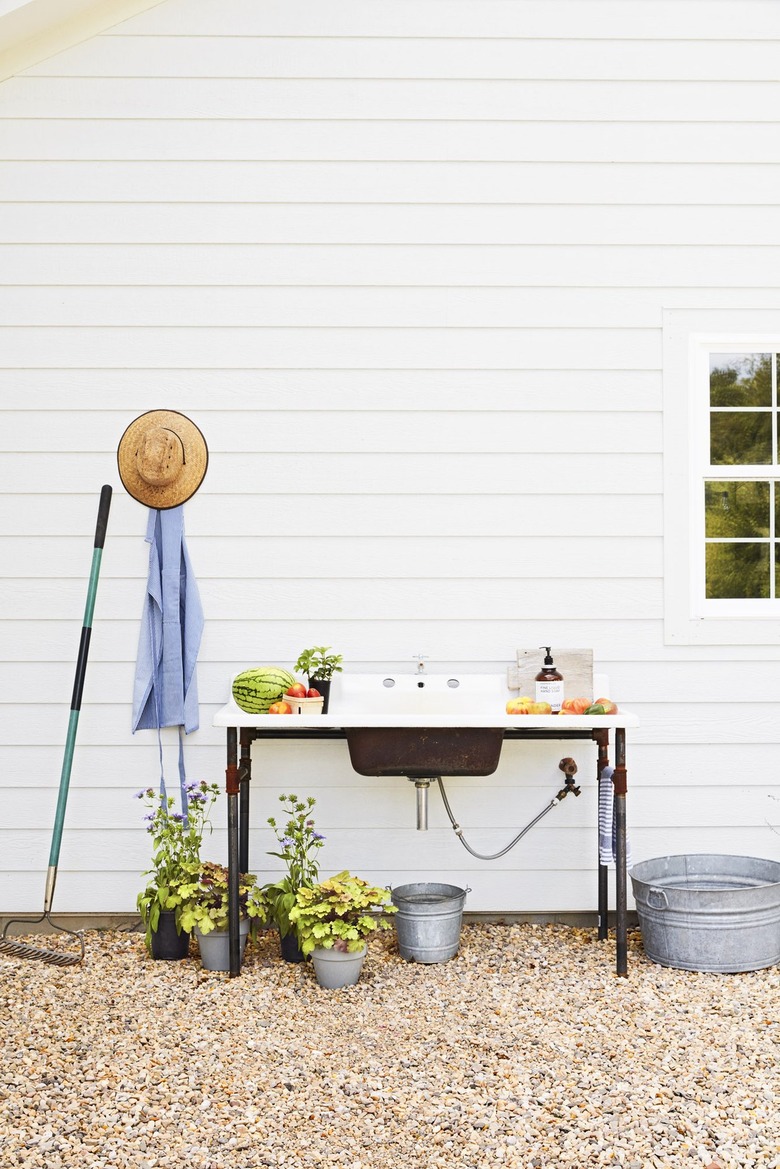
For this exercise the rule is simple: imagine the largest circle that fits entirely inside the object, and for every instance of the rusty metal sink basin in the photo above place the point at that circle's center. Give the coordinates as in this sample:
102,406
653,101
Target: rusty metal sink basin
424,752
418,725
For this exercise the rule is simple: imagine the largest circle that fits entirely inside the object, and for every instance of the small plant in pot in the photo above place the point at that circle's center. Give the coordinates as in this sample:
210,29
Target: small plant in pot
205,911
176,842
319,667
298,848
334,920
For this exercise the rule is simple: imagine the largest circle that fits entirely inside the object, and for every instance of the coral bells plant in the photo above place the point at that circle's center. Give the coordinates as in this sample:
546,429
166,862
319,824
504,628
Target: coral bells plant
205,900
340,914
176,843
298,846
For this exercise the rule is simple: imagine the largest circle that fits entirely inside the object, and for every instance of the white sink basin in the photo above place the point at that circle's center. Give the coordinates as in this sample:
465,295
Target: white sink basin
420,697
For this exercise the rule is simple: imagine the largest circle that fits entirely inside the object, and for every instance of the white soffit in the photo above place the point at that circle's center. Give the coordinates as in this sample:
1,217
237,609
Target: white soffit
32,30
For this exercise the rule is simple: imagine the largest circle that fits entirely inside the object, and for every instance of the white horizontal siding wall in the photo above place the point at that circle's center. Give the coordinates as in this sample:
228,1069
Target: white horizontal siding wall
404,265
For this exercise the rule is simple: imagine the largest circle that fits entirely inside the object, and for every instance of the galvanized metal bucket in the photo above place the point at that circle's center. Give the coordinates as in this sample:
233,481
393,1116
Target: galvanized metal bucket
428,920
709,912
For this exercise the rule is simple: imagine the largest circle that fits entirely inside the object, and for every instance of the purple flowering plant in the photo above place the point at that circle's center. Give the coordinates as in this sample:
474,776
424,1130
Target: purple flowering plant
176,844
298,847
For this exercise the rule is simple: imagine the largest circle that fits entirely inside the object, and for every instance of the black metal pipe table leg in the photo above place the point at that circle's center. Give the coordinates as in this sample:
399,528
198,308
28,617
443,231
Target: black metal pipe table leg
244,777
621,895
603,913
602,738
232,787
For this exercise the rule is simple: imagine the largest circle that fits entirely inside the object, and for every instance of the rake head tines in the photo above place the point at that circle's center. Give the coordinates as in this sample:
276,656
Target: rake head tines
19,949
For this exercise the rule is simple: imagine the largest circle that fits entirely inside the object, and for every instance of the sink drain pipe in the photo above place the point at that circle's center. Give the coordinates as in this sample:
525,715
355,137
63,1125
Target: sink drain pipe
567,766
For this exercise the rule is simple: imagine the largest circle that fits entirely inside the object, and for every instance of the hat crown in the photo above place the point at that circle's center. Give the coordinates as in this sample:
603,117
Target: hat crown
160,456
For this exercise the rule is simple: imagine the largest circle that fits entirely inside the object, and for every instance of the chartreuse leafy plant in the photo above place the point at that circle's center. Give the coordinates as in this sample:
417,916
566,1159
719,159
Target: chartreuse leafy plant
298,848
340,913
176,843
205,900
318,663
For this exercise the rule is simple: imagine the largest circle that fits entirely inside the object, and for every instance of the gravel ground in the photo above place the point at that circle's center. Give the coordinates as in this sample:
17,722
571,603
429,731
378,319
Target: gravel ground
526,1050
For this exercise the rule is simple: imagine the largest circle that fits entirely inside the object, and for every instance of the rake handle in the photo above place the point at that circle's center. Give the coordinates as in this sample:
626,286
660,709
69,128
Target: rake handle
78,687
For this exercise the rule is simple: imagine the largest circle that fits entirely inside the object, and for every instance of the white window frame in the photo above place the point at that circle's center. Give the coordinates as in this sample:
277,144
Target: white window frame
690,335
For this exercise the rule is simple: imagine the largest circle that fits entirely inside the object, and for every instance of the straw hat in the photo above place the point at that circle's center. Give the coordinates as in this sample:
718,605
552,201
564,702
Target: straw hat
162,459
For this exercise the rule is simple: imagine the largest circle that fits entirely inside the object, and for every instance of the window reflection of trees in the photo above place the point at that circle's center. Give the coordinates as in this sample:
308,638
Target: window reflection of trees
742,428
737,508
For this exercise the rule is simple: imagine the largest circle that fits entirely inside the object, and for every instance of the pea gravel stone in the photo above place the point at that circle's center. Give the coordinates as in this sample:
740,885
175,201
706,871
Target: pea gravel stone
524,1051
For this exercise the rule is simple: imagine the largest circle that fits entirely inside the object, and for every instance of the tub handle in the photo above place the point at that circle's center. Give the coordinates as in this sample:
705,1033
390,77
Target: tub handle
657,899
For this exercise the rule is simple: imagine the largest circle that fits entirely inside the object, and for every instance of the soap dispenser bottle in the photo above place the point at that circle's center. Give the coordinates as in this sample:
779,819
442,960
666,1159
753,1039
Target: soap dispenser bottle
549,683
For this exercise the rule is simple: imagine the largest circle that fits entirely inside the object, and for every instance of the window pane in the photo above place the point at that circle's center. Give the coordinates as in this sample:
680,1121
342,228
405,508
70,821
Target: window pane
736,509
737,570
740,379
740,438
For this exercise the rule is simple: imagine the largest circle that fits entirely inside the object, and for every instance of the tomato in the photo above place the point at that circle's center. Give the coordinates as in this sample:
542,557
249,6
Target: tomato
313,694
602,706
527,706
575,705
297,691
280,708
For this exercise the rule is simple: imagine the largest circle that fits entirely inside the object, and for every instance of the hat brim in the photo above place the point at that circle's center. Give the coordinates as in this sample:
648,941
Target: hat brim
196,460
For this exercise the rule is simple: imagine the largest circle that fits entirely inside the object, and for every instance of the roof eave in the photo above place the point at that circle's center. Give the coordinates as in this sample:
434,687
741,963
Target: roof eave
33,30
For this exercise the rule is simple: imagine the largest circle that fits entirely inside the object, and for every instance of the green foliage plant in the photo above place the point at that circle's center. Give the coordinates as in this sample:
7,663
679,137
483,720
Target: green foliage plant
340,914
176,844
205,899
299,845
318,663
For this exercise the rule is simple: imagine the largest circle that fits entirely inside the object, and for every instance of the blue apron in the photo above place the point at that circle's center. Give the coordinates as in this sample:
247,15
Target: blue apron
165,692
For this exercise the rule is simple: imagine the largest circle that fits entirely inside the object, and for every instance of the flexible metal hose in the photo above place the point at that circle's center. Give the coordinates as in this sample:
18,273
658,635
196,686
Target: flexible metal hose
494,856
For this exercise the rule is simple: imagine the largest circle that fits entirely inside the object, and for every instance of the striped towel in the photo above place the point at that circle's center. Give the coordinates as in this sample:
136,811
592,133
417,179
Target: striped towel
607,832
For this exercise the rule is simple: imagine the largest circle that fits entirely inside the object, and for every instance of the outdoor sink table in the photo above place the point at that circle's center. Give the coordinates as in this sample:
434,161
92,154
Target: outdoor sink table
244,728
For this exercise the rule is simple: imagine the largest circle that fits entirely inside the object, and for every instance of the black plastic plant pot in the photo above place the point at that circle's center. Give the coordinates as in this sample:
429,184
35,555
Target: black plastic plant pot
291,951
167,945
323,685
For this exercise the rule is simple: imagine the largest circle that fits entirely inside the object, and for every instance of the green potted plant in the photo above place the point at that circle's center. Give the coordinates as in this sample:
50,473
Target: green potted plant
333,921
176,843
298,847
319,667
205,911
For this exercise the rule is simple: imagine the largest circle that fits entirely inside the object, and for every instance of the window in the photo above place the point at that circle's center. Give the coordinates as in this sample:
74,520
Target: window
738,499
722,478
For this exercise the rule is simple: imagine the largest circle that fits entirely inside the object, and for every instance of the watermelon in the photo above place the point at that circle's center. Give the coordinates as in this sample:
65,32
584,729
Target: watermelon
255,690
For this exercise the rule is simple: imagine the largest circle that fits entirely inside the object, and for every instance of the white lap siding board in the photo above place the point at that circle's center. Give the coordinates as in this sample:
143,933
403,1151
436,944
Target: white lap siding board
405,266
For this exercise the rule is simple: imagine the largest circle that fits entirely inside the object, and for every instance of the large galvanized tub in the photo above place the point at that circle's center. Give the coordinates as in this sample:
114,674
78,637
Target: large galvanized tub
709,912
428,920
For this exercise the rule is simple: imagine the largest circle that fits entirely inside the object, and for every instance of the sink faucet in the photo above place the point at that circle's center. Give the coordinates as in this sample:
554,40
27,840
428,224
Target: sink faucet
420,659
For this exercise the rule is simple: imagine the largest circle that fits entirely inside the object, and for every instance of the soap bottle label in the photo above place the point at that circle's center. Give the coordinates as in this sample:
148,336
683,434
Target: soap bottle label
550,690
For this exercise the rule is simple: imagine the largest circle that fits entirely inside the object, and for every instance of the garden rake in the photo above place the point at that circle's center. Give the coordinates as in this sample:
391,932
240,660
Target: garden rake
22,949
